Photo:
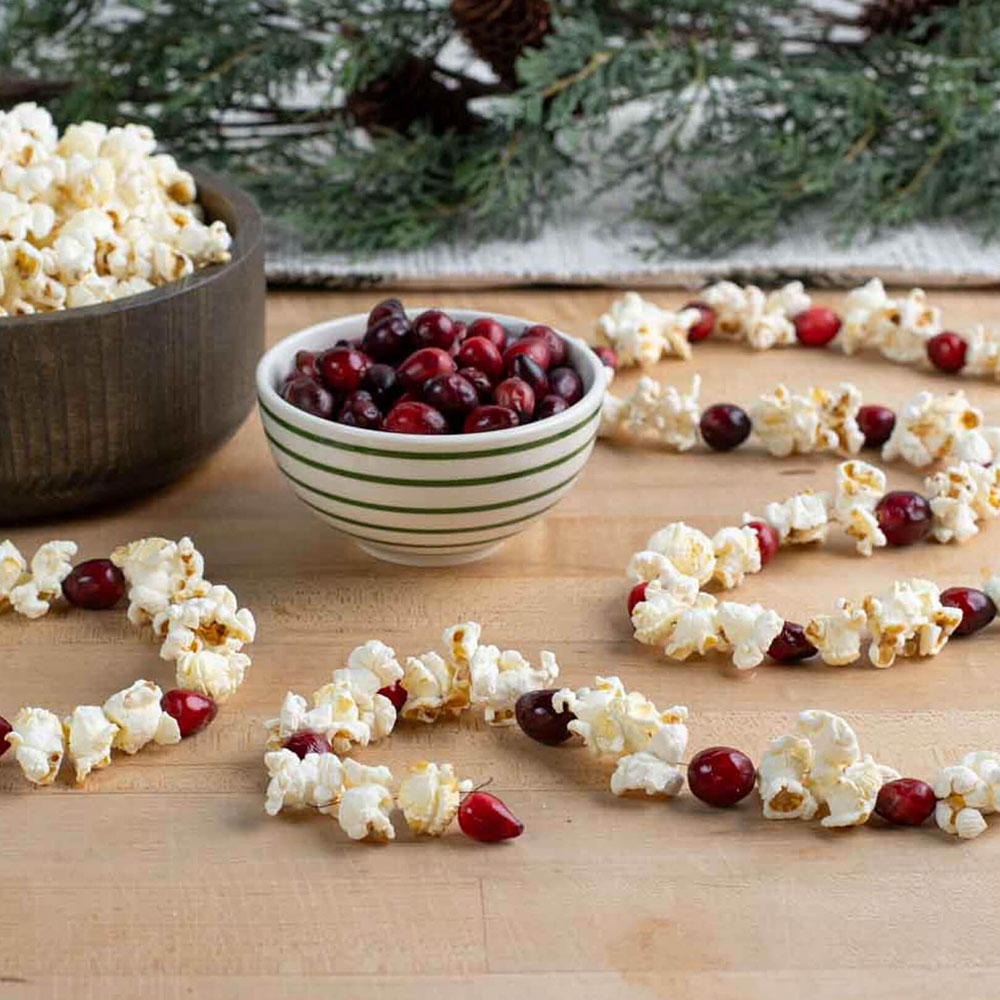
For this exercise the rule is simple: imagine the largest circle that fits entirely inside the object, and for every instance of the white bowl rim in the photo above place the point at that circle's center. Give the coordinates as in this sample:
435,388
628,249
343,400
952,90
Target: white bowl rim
364,439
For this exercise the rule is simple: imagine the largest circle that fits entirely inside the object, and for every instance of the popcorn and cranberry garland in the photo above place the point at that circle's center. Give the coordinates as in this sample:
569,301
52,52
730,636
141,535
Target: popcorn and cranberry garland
361,705
200,624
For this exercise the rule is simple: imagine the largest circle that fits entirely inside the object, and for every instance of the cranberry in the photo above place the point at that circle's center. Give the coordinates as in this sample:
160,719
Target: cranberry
305,363
5,728
352,342
479,381
387,307
904,517
876,423
566,383
724,426
432,328
478,352
491,330
977,608
947,352
905,801
721,776
816,326
767,540
526,368
192,710
636,596
790,645
539,720
705,325
387,340
343,368
422,365
381,384
607,357
484,817
396,693
516,395
415,418
550,406
305,742
555,343
529,347
489,418
95,584
451,394
359,410
308,395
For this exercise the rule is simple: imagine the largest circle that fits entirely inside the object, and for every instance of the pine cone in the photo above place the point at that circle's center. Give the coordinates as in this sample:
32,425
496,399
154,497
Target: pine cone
499,30
880,17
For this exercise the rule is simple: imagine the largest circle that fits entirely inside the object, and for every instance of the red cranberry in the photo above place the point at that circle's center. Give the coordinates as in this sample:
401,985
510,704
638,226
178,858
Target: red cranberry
705,325
5,728
484,817
721,776
904,517
381,384
192,710
307,394
387,307
489,328
396,693
555,343
415,418
489,418
550,406
479,381
790,645
95,584
876,423
516,395
343,368
905,801
422,365
526,368
636,596
529,347
478,352
451,394
767,540
977,608
359,410
539,720
816,326
432,328
607,357
387,340
947,352
566,383
305,742
305,363
724,426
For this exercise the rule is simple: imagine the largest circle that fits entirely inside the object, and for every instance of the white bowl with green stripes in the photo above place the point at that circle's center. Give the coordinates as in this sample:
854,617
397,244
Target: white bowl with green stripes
426,500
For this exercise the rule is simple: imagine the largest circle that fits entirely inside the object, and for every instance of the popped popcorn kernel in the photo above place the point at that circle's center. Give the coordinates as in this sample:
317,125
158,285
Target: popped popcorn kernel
39,744
429,797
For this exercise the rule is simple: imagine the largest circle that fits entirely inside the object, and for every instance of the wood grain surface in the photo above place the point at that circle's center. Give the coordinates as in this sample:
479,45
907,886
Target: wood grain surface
163,877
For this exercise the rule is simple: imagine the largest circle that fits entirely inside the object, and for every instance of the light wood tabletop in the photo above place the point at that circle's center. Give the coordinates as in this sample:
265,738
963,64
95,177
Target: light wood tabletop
163,877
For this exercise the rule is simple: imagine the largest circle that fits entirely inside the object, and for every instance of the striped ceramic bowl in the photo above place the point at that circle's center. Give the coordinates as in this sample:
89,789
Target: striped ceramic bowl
426,500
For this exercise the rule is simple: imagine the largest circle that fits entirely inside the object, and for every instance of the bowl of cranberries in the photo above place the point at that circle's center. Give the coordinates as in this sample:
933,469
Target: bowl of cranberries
430,437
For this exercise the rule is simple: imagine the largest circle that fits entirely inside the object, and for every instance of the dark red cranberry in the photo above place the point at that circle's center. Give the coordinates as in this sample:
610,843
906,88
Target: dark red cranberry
96,584
192,710
529,347
876,423
790,645
555,343
305,363
721,776
359,410
767,540
704,327
388,339
479,381
947,352
608,357
816,326
381,384
415,418
977,608
516,395
485,817
451,394
526,368
307,394
550,406
489,328
905,801
539,720
422,365
904,517
5,728
343,368
725,426
636,596
566,383
387,307
396,693
432,328
305,742
489,418
478,352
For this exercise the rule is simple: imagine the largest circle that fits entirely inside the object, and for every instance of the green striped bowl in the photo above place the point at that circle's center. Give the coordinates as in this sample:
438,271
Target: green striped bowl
426,501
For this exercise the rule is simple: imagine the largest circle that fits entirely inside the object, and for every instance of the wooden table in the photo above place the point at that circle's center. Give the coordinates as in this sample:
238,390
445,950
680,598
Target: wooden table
164,878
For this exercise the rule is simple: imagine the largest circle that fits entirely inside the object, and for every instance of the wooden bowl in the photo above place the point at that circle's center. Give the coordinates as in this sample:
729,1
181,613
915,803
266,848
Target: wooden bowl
105,402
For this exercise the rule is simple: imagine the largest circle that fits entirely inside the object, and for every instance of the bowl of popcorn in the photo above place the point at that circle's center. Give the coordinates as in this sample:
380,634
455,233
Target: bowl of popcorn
131,314
430,437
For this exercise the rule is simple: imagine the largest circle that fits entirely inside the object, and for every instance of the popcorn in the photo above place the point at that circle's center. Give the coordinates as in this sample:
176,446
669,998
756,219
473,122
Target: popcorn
430,796
377,658
749,629
838,416
737,553
991,587
800,519
951,494
365,807
788,423
432,687
140,720
634,328
656,616
645,772
42,583
690,550
159,573
460,644
837,637
764,321
646,566
358,714
37,738
729,303
982,352
317,780
297,717
851,796
696,630
215,673
859,488
908,620
986,502
89,735
928,428
211,621
660,413
782,779
963,797
901,328
499,679
12,568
